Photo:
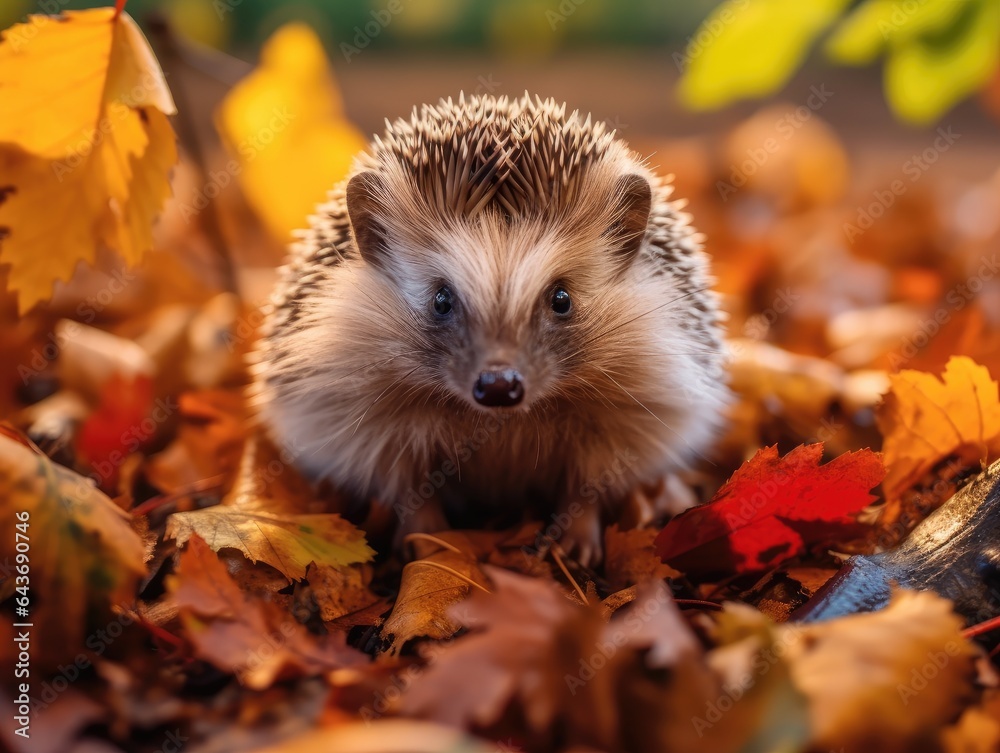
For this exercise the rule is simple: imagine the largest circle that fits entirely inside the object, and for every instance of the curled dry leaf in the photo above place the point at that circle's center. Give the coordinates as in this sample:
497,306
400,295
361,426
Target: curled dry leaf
771,509
430,588
83,556
256,640
84,138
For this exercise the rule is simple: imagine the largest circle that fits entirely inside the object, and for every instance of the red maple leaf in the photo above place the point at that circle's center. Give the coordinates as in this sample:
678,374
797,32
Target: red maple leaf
772,508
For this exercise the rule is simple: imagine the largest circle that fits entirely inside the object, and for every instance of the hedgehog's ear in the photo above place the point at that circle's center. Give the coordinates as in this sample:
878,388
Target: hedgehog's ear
364,204
633,199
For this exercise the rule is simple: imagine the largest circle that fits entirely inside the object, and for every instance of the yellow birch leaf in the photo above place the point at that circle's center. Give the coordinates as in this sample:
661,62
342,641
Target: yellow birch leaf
81,555
285,127
85,145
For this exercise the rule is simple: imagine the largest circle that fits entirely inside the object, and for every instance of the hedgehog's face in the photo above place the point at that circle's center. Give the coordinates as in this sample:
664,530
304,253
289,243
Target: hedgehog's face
508,313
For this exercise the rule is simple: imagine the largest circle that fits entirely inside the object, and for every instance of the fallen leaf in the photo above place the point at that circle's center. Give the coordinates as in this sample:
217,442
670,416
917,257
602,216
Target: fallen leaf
429,588
254,639
629,558
289,543
83,557
338,592
84,138
926,419
635,683
118,427
284,124
886,680
771,509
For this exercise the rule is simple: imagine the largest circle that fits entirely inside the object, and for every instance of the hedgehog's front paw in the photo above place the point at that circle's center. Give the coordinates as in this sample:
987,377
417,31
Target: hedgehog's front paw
427,518
581,537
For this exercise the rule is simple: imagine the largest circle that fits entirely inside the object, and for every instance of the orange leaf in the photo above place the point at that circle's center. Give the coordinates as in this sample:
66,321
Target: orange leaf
926,419
772,508
254,639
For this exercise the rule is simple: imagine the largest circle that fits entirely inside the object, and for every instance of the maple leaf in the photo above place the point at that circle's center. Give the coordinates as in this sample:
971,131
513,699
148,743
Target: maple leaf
84,138
83,557
285,125
288,543
926,419
254,639
629,557
771,509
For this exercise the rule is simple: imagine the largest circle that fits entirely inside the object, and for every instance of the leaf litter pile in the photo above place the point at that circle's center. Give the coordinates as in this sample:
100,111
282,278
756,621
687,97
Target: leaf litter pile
170,611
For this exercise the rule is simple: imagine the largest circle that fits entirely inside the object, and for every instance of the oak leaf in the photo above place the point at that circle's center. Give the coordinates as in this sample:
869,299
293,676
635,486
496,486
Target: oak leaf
85,145
83,557
771,509
926,419
286,542
285,126
256,640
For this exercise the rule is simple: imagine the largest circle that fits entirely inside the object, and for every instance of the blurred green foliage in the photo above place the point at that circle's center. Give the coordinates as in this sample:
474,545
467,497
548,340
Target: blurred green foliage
937,52
515,26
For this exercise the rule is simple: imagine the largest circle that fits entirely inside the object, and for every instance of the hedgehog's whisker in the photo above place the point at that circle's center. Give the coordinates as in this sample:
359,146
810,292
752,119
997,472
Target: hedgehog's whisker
665,425
381,395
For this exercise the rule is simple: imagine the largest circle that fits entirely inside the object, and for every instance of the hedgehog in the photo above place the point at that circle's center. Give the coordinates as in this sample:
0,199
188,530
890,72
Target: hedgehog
500,313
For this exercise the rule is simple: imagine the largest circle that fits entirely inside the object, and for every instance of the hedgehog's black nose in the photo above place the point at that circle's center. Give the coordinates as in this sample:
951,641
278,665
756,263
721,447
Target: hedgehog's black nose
498,387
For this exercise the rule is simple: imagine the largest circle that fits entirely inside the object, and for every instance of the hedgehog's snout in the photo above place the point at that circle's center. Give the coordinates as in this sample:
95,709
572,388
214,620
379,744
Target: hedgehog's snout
499,387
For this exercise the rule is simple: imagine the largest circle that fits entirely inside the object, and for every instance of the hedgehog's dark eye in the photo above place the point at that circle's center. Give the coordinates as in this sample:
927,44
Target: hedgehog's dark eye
443,302
562,304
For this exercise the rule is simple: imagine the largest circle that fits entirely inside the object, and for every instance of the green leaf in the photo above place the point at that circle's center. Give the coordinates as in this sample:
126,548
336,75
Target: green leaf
928,74
876,24
750,48
288,543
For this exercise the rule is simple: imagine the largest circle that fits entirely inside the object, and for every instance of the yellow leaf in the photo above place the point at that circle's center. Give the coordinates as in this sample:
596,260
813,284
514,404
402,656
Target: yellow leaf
926,76
926,419
85,145
285,126
289,543
888,679
82,555
750,48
